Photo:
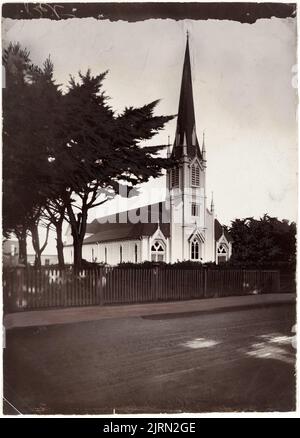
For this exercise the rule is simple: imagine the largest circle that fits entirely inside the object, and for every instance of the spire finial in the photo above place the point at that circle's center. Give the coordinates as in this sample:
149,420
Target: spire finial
212,205
168,147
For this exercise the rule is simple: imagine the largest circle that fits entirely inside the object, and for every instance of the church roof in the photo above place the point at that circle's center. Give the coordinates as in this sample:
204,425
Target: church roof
118,232
112,228
118,226
219,230
186,124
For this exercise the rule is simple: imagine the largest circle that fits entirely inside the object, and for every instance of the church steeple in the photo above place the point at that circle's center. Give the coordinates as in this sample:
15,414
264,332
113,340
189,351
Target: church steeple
190,220
186,138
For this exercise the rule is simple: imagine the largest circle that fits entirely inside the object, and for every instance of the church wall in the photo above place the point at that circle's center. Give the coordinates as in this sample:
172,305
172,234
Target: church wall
89,252
114,253
210,238
68,254
176,242
95,252
183,223
175,197
145,249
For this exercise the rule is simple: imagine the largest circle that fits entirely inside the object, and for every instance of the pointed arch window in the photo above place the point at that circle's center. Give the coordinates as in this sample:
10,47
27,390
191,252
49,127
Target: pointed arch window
195,175
222,249
158,251
222,253
135,253
195,250
121,254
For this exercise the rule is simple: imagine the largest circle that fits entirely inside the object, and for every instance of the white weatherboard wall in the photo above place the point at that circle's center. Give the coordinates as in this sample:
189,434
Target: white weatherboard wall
110,252
210,235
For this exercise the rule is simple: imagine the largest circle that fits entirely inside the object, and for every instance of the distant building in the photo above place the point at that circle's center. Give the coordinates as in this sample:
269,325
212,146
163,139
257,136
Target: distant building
182,227
10,251
46,259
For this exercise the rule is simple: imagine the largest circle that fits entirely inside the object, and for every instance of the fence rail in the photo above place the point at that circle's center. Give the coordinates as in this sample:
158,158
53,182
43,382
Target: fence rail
44,288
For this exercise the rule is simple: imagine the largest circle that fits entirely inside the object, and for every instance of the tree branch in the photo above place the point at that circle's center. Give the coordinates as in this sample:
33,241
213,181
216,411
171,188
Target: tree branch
46,239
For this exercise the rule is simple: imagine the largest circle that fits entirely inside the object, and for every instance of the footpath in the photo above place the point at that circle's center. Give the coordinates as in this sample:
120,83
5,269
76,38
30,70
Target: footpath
192,307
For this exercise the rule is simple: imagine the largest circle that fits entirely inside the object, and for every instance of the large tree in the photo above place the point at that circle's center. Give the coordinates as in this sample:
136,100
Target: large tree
263,242
30,102
66,153
102,150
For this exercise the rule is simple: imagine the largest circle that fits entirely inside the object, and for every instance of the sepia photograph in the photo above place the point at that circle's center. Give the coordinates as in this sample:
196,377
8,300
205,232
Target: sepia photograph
149,208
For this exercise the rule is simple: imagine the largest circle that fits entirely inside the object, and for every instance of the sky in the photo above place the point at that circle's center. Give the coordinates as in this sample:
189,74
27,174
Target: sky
244,92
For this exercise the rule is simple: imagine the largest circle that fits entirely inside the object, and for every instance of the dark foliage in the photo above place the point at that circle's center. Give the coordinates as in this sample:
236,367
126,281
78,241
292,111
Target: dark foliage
265,242
64,154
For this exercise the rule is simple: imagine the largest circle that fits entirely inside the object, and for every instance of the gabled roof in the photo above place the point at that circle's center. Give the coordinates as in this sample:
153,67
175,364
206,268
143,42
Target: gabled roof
116,232
112,229
219,230
119,226
157,211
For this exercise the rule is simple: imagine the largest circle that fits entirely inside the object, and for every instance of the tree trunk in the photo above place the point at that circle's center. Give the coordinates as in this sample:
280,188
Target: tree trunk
59,245
78,227
77,245
36,245
21,236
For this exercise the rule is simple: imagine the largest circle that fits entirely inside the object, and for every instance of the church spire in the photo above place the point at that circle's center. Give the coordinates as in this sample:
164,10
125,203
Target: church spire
186,125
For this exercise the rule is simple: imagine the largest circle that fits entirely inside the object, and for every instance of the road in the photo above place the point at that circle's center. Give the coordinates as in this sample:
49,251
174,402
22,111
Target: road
237,360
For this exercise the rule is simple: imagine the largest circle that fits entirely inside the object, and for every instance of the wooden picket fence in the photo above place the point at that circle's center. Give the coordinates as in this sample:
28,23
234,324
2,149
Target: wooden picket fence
30,288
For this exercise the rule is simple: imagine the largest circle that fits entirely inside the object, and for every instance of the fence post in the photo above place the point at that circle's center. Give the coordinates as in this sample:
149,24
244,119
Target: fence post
277,289
156,282
20,288
101,284
205,281
8,296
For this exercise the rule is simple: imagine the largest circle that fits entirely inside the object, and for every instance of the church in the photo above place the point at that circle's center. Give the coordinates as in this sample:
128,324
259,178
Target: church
183,227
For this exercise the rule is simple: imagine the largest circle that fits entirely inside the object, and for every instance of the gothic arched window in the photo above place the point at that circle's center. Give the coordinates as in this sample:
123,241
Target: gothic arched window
195,175
158,251
195,250
222,253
